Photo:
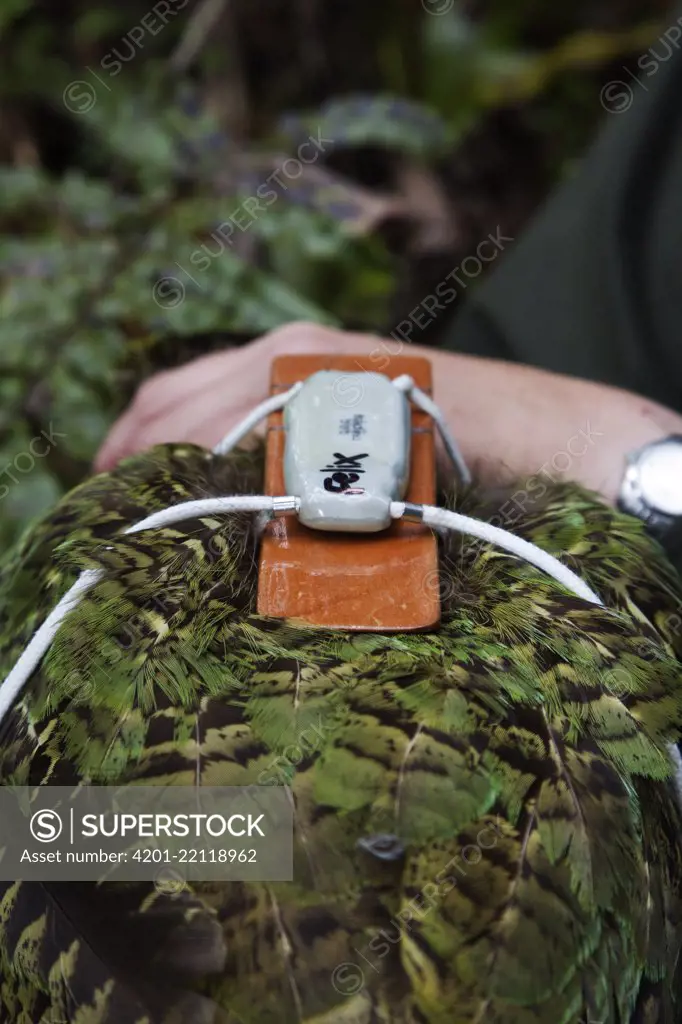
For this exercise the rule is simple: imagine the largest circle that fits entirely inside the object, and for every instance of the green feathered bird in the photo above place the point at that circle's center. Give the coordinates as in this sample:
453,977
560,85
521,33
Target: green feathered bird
486,819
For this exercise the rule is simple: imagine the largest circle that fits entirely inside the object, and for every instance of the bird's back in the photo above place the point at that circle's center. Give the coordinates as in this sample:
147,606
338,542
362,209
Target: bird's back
485,825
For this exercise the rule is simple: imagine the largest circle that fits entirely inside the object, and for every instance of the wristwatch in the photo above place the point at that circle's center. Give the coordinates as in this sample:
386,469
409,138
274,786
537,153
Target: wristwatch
652,487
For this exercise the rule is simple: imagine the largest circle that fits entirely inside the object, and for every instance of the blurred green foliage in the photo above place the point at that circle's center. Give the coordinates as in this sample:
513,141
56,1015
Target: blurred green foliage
120,161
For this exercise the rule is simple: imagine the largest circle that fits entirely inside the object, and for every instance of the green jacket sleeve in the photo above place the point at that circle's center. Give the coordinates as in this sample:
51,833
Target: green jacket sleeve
593,286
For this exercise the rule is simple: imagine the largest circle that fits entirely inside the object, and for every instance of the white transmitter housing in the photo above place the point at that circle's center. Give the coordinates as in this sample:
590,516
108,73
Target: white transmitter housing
347,450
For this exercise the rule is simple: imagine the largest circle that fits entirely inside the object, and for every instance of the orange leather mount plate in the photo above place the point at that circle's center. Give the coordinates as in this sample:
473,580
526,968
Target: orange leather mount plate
384,581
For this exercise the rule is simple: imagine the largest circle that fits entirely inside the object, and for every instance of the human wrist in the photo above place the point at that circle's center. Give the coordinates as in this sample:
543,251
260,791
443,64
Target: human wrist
628,423
518,422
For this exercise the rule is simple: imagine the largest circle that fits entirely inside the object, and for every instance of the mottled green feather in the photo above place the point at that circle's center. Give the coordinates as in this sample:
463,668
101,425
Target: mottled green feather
519,756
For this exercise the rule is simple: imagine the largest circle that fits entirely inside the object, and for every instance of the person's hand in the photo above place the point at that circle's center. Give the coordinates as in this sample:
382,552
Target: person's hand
513,423
202,400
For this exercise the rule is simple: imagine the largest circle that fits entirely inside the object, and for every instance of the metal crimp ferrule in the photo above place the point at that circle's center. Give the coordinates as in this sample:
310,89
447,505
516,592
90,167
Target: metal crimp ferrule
413,512
283,505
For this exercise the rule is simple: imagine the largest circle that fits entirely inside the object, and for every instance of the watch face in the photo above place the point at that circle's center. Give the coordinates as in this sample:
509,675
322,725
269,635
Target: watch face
660,477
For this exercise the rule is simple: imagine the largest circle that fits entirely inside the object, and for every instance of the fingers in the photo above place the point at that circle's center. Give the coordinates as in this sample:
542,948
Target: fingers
168,388
165,406
202,420
202,400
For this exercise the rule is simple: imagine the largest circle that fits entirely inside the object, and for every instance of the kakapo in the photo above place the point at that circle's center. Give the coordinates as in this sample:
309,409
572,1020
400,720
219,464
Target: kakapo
486,816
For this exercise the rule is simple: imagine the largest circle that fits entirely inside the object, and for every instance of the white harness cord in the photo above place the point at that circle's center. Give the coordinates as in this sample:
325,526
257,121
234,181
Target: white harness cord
443,519
438,518
427,405
40,642
270,405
